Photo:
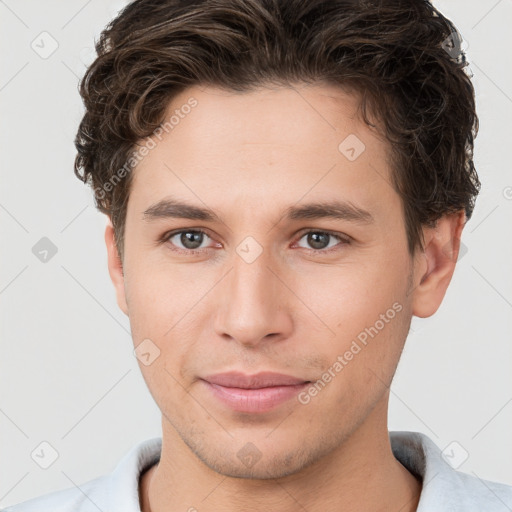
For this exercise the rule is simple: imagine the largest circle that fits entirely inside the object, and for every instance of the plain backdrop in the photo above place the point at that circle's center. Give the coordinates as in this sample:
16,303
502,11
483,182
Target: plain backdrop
68,374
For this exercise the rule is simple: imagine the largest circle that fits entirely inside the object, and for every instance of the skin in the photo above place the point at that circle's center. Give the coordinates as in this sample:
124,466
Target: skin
249,156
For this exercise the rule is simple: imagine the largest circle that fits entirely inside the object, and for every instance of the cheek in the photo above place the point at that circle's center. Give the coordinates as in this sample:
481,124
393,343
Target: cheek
159,294
350,297
363,318
165,302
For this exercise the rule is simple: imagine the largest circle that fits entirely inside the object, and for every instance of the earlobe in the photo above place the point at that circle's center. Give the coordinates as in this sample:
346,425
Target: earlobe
435,268
115,267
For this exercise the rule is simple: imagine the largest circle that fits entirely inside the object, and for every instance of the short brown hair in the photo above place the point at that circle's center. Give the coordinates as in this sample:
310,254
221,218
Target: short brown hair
402,57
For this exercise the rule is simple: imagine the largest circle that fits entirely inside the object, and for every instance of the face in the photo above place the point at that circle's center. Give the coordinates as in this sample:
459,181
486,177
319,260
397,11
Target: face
268,282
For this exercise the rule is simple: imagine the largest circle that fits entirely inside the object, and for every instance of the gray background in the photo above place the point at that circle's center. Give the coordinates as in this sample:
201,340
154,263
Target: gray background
68,372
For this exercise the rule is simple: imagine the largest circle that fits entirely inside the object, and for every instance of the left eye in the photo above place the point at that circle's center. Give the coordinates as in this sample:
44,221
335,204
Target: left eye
319,240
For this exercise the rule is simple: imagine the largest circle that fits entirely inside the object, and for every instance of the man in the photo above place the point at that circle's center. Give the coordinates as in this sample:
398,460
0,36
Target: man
286,184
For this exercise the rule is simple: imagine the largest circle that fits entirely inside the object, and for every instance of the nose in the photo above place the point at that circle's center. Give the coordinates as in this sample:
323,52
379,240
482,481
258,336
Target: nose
253,303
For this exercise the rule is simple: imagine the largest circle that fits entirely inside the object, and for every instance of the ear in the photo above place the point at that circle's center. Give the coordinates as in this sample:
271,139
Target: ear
115,267
434,266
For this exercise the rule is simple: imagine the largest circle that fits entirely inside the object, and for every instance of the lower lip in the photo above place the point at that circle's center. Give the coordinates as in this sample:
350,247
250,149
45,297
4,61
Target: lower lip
255,400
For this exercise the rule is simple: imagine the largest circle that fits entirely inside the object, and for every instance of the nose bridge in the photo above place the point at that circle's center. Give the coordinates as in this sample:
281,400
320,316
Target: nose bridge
252,304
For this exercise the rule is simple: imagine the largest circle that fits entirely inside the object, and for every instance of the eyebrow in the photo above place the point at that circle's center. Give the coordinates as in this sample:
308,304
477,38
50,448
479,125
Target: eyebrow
338,210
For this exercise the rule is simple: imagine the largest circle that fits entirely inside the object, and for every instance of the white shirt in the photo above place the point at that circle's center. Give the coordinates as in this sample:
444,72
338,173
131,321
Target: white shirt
444,489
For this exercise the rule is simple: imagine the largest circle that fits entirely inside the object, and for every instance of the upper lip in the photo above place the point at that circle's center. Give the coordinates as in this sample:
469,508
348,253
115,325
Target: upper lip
258,380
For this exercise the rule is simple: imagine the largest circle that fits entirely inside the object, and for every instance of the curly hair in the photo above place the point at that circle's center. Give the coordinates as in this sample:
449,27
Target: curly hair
402,58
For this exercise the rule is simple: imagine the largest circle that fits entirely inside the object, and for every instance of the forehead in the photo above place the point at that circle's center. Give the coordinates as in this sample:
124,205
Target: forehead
255,147
311,113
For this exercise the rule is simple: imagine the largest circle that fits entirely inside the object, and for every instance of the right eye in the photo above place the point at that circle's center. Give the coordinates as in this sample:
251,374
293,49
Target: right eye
190,239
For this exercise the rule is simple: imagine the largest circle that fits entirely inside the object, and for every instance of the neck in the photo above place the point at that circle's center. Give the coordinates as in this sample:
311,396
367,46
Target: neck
361,474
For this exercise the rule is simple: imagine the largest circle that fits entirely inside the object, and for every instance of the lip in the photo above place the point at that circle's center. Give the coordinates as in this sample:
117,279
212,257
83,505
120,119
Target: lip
255,381
256,393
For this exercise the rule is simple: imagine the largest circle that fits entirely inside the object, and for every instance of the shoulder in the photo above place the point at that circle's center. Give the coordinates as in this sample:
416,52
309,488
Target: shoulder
113,492
482,494
444,488
88,497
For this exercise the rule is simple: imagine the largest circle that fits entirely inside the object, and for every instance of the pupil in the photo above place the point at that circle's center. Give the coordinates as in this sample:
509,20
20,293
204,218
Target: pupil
313,240
187,239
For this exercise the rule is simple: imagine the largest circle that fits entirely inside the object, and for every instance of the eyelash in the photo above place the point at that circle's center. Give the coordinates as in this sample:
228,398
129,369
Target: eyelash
345,240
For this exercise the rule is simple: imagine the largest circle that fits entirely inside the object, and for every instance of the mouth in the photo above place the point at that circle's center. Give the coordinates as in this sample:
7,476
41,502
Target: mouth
258,393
